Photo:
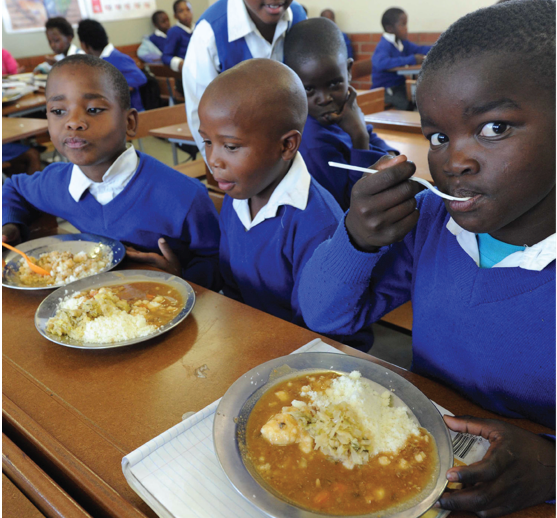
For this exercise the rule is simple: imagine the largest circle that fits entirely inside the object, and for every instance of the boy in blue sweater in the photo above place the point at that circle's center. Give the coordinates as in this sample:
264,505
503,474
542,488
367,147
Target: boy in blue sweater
335,129
152,47
394,50
229,32
107,189
179,36
94,41
274,214
480,273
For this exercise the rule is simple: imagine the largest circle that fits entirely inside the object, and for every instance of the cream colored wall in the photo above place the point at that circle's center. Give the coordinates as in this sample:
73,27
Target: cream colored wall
119,33
423,15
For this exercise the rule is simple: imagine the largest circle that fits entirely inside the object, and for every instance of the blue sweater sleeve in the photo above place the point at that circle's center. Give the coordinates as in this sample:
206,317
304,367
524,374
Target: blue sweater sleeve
171,47
381,60
412,48
229,286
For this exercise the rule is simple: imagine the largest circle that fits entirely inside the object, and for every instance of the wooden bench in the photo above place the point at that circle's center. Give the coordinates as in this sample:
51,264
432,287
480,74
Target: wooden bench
372,101
166,77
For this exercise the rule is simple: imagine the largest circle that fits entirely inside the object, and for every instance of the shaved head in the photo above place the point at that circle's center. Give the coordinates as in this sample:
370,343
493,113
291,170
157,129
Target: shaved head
262,92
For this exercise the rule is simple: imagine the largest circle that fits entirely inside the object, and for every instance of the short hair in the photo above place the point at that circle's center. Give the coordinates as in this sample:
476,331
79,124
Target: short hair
327,11
178,2
156,14
391,16
525,28
312,39
60,23
92,33
116,78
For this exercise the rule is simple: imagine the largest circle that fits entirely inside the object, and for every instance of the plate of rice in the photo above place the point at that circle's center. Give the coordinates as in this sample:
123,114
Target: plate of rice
323,434
114,309
69,257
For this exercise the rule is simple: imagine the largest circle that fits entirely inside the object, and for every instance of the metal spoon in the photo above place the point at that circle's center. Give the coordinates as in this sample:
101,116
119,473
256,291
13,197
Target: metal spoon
413,178
34,267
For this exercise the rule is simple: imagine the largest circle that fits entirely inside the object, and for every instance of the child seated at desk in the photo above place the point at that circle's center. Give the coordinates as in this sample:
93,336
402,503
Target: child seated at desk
60,35
335,129
107,189
94,41
480,273
152,47
256,31
179,36
274,214
394,50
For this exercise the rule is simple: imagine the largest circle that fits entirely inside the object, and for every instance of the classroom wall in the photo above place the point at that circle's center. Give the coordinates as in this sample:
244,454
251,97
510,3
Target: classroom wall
119,33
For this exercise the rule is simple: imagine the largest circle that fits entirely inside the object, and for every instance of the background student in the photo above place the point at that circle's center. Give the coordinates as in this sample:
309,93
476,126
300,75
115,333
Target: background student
179,36
152,46
109,190
229,32
394,50
60,35
9,64
480,273
330,15
94,41
335,129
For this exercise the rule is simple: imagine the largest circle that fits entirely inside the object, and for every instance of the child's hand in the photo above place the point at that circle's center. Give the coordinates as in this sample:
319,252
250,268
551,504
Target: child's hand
11,234
517,471
168,261
351,119
419,58
383,205
50,59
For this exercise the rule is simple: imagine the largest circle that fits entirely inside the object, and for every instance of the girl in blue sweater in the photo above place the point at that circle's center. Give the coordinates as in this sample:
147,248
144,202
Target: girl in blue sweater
480,273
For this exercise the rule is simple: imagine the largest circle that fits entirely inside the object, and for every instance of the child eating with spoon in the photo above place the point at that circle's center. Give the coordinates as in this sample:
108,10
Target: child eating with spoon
480,273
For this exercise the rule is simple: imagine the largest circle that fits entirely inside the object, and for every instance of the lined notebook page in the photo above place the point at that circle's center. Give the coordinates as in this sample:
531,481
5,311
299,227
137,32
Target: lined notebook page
178,473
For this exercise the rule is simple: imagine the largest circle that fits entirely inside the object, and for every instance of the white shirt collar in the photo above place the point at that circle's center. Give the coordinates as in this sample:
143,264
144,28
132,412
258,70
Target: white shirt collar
292,190
240,24
71,51
107,51
159,33
392,39
189,30
535,257
113,181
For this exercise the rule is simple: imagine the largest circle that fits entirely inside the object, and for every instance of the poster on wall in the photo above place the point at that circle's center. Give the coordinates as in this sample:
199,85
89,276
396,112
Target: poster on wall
31,15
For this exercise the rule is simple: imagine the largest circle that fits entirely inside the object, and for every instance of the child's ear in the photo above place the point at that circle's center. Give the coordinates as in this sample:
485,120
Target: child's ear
349,63
290,143
132,119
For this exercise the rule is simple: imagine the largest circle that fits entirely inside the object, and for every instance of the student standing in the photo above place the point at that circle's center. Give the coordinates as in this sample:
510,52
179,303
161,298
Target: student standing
229,32
179,36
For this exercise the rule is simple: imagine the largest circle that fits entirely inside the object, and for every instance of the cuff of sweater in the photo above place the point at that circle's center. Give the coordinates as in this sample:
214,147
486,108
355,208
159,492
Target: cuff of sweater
175,63
345,263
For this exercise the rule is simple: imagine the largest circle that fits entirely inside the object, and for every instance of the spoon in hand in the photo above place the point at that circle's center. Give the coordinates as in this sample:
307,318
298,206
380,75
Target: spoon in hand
425,183
34,267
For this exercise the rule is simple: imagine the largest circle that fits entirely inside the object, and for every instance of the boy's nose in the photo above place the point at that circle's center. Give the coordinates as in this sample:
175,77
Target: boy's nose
75,123
323,98
460,161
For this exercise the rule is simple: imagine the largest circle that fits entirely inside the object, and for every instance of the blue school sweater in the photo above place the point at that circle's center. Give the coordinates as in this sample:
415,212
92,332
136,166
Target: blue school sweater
177,41
131,72
321,144
387,56
158,41
157,201
488,333
349,48
233,52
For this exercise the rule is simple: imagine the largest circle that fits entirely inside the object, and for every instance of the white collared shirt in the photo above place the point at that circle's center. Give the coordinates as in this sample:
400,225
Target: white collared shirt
107,51
175,61
159,33
114,180
392,39
292,190
535,257
202,63
71,51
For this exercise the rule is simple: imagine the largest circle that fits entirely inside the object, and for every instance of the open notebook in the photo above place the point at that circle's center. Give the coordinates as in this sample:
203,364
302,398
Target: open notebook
179,476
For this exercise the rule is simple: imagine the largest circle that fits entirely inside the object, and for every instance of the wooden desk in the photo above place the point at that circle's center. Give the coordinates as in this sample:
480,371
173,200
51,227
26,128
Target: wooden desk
410,70
14,129
29,103
76,413
175,134
399,120
414,146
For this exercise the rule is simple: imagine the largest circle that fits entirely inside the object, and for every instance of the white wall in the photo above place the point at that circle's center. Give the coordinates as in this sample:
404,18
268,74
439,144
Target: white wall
423,15
119,33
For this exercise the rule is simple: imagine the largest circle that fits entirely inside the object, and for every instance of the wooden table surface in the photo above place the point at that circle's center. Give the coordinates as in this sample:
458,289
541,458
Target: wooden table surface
176,131
399,120
76,413
16,128
414,146
34,101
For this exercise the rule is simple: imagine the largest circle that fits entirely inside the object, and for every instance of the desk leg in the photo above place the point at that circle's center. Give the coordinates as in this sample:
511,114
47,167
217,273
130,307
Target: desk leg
174,153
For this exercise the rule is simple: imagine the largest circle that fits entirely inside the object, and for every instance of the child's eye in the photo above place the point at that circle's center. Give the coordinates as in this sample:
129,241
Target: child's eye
95,111
309,89
494,129
438,138
335,84
207,142
56,111
230,147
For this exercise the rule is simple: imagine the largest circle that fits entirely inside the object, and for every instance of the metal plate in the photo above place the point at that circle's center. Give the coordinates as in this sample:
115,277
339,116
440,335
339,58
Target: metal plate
48,306
73,243
234,409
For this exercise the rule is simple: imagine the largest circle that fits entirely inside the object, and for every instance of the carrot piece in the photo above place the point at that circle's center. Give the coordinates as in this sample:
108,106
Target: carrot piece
339,487
149,296
321,497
